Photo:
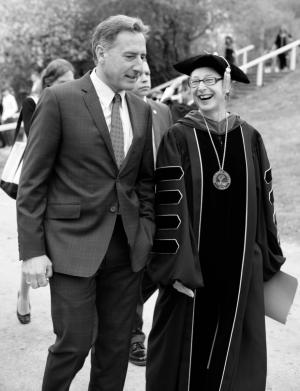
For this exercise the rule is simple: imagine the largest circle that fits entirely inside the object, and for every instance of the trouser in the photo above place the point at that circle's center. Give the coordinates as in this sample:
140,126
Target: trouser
282,60
147,288
112,296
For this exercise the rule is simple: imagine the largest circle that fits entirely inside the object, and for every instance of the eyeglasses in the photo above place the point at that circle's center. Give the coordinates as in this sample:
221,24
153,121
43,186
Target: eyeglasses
208,81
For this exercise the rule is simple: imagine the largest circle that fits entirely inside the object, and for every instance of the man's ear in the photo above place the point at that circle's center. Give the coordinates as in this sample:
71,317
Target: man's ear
100,53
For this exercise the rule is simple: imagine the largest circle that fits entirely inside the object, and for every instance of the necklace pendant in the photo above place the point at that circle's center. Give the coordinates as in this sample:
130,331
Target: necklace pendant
221,180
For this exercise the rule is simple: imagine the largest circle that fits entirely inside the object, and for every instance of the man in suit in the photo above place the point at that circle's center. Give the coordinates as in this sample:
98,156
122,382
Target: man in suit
85,207
161,121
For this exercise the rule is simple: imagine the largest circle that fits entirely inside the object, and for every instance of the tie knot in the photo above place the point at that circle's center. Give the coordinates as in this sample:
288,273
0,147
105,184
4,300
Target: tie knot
117,98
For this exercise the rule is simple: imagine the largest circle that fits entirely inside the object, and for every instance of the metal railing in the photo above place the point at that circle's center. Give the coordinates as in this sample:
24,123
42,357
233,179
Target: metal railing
260,61
244,54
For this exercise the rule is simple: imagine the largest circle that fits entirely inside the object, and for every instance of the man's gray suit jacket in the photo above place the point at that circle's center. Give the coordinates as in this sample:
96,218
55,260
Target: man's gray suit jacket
71,189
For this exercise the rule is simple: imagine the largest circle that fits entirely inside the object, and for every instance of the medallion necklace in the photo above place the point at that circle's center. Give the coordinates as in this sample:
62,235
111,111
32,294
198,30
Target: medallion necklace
221,178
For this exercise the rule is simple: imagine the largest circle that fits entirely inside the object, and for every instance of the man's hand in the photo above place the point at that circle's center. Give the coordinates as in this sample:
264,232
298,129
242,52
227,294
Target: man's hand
37,271
183,289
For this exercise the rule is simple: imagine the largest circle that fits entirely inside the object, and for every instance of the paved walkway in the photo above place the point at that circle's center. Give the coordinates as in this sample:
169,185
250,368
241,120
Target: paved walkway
24,348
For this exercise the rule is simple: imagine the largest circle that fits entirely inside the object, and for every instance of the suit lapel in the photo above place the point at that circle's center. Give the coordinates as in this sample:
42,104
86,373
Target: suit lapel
94,107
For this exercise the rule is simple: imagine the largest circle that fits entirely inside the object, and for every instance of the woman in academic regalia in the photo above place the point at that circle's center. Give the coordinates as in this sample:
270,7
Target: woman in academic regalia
216,243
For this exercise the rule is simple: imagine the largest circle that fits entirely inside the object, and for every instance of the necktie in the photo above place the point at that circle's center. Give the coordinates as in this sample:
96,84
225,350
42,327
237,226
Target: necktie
116,132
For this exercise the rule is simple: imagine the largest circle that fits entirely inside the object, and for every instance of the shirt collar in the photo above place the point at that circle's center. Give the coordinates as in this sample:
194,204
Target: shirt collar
104,92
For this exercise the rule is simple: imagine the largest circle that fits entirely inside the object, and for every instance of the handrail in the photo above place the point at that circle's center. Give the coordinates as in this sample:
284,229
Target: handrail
259,62
168,83
243,51
9,126
272,54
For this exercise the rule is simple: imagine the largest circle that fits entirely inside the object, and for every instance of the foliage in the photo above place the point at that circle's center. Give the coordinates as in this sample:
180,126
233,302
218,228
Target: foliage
32,37
174,25
33,32
256,21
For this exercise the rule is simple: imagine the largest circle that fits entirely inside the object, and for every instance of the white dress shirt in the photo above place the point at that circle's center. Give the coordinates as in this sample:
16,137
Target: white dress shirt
106,95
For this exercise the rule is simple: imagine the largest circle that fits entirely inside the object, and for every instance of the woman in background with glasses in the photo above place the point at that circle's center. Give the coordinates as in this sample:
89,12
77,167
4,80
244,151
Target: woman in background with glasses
216,242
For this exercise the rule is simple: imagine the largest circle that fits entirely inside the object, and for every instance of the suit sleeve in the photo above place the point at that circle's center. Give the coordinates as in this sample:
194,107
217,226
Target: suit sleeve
42,147
267,232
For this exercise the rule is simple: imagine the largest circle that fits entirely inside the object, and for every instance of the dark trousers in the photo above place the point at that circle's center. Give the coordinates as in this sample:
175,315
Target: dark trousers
111,296
282,60
147,288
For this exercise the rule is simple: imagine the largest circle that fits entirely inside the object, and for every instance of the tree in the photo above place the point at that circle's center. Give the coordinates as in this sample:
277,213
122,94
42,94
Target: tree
255,21
32,37
174,25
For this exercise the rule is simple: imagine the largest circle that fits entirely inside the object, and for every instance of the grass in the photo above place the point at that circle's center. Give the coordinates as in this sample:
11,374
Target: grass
274,111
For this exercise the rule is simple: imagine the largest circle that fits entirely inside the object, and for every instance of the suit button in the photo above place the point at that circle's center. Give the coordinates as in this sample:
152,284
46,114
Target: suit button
113,209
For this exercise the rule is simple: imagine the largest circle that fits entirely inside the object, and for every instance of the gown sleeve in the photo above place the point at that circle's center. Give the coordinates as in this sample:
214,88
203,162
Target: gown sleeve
174,253
267,233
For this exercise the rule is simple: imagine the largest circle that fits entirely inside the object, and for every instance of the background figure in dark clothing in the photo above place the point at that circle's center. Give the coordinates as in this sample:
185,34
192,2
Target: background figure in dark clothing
2,142
229,52
57,72
282,39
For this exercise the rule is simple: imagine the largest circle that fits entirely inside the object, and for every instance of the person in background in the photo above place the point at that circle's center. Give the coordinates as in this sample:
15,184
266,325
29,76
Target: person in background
1,107
282,39
216,243
229,50
85,207
58,71
161,121
2,141
9,105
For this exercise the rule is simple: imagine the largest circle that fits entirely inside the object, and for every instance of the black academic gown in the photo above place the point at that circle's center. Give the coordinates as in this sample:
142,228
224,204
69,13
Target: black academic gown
222,244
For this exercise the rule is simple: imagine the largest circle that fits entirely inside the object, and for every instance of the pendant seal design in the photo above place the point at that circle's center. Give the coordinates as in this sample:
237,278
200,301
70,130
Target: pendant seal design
221,180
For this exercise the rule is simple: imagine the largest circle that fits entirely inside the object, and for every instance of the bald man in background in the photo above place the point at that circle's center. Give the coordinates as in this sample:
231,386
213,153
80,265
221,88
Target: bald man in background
161,121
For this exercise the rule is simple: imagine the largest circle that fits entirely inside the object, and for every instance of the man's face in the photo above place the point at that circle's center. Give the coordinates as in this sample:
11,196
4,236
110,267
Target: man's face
143,84
120,65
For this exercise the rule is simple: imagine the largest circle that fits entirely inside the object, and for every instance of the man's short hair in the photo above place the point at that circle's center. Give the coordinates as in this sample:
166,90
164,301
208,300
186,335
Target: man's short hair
106,31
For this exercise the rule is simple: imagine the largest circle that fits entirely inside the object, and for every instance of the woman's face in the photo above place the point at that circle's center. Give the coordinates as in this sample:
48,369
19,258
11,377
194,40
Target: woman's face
209,98
68,76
